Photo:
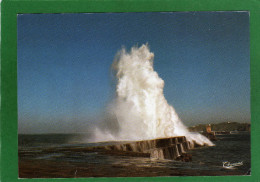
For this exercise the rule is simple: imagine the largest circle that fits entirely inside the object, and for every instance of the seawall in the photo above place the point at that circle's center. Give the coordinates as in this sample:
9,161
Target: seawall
173,148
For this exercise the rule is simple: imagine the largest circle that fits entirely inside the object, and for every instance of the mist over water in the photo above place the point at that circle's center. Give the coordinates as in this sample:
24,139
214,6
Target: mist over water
140,110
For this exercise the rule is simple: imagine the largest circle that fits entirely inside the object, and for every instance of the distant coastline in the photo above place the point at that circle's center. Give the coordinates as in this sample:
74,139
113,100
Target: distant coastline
224,126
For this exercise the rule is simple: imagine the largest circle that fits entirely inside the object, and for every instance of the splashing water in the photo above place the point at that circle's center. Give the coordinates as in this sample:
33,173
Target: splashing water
140,108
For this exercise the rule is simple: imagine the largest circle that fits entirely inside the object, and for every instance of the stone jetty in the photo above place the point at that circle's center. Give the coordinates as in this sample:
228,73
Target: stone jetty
173,148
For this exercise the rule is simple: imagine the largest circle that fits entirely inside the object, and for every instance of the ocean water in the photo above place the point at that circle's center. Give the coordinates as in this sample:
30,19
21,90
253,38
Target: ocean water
63,155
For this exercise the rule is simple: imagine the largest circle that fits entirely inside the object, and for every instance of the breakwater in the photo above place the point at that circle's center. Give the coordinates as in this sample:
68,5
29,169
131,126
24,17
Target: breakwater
173,148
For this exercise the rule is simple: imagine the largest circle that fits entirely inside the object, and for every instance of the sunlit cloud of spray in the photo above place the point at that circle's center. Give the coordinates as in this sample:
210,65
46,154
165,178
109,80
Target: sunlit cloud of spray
140,109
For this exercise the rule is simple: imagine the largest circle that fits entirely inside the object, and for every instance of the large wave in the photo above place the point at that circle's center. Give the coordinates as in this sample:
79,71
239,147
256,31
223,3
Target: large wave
140,108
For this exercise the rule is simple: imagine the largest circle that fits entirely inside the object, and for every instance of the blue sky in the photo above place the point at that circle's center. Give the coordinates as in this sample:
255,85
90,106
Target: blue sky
64,65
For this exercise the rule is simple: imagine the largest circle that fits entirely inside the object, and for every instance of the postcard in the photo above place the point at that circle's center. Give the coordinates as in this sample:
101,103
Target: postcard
134,94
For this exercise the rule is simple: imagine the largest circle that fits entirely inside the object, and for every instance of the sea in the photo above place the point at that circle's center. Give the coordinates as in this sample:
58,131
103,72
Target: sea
54,156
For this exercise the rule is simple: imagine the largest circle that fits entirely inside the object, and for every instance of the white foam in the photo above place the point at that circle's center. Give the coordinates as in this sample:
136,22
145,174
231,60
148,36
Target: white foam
140,108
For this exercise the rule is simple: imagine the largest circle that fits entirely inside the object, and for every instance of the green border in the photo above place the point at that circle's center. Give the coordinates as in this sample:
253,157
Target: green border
10,9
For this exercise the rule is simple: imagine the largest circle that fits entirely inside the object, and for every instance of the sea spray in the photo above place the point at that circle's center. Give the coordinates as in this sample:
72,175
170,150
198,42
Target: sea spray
140,108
